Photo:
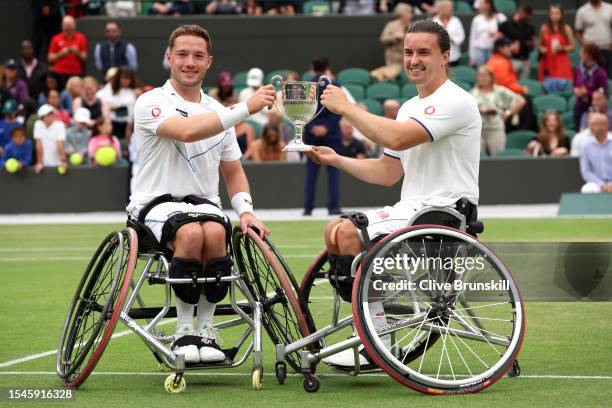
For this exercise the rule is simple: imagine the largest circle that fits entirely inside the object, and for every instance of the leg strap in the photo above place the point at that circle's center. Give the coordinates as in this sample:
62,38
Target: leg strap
217,268
360,220
181,268
340,275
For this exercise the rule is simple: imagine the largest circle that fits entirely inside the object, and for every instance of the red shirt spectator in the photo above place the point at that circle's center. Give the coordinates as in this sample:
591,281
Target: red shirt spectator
501,65
68,49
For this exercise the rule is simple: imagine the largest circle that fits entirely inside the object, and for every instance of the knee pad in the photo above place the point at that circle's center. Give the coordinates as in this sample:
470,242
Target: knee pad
217,268
340,275
181,268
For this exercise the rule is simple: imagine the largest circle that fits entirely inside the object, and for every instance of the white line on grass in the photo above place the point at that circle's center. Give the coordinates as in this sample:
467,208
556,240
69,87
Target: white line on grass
86,258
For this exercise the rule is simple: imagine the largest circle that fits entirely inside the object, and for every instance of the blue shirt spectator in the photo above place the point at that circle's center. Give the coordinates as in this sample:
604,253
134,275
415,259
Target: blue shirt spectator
19,149
114,52
9,122
596,162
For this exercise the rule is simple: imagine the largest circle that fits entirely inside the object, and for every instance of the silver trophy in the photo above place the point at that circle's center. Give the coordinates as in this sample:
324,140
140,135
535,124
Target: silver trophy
300,100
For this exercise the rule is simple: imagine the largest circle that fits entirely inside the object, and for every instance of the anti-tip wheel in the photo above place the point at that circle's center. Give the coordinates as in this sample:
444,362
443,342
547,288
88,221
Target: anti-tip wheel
515,370
170,386
281,372
312,383
256,378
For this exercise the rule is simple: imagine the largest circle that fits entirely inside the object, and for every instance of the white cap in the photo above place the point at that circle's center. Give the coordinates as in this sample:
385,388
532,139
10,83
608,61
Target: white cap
255,77
45,110
82,115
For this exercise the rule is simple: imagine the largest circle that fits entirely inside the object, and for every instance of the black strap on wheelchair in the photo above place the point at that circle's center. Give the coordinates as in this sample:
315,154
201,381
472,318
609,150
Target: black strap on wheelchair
360,220
470,211
165,198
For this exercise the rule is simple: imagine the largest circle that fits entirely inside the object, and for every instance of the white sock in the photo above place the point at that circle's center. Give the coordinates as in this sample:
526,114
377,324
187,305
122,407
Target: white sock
184,315
206,312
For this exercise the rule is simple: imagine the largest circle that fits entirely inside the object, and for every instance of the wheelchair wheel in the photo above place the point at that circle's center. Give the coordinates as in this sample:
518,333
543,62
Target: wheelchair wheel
438,280
268,278
96,306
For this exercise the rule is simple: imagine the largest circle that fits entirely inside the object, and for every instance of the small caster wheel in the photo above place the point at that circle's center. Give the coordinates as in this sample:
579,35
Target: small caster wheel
515,371
281,372
175,384
256,378
311,383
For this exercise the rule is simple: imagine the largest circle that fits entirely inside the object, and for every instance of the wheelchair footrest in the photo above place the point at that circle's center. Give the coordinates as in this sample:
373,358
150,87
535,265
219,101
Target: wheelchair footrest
226,363
151,312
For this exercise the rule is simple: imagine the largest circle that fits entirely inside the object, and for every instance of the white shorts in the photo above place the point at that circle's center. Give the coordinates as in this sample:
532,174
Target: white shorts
383,221
159,214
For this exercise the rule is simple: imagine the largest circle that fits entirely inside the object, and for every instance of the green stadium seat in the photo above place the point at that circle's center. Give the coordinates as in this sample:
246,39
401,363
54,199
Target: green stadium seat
543,103
460,6
568,120
535,87
239,79
401,78
465,85
373,106
511,153
609,88
256,127
575,57
145,6
280,72
519,139
409,90
382,91
505,6
483,153
464,59
354,76
307,75
356,91
317,7
463,73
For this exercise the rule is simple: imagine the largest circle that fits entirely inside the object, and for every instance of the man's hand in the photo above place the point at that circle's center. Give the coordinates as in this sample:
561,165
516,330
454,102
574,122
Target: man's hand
263,97
607,188
38,167
319,131
334,99
323,155
247,219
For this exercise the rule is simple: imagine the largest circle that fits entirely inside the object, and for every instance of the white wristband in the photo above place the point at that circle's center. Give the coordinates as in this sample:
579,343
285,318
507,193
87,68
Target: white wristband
242,202
232,116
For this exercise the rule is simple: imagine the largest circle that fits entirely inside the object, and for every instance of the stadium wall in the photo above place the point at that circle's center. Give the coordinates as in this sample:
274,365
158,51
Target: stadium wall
281,185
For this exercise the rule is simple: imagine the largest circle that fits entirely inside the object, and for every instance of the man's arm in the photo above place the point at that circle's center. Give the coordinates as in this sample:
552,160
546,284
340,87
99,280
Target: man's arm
386,132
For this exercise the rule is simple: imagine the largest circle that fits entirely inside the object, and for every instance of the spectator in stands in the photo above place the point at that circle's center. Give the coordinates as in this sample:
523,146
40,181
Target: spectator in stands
390,108
68,51
19,148
8,123
254,81
599,103
551,140
121,8
103,131
173,8
521,33
61,115
596,162
594,25
392,38
556,41
77,135
275,119
501,66
46,23
90,101
51,82
74,89
223,7
324,130
483,33
268,147
419,6
252,8
15,86
598,123
224,92
589,76
31,70
358,7
452,24
245,136
349,146
496,105
49,136
115,51
283,7
120,96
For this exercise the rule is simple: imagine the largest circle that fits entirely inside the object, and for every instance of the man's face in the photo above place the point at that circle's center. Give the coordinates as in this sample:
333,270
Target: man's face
68,25
423,60
406,18
27,51
523,17
189,60
599,126
390,110
600,102
112,32
49,119
505,50
274,119
19,138
347,129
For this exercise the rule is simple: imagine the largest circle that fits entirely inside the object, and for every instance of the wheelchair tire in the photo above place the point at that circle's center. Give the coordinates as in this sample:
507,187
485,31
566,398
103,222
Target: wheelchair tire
268,278
96,307
480,328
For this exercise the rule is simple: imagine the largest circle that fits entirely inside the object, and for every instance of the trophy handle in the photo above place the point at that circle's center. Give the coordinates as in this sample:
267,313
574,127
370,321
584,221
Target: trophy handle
324,80
277,80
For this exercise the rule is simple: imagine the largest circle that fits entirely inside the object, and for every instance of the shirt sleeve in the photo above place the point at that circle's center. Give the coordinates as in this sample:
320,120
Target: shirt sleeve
392,153
586,168
579,23
151,110
231,150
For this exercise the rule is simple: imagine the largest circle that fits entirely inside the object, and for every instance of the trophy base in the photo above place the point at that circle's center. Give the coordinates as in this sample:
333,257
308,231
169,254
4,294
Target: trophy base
302,148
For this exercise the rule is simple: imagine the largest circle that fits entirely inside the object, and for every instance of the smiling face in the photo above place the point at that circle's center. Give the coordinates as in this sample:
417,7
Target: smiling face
189,60
424,62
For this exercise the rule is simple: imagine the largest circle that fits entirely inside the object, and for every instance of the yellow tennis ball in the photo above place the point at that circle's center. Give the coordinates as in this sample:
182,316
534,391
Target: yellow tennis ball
76,159
105,156
11,165
61,170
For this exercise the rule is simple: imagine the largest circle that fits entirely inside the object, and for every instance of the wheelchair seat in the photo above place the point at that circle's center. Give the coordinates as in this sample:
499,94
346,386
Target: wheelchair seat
463,217
147,243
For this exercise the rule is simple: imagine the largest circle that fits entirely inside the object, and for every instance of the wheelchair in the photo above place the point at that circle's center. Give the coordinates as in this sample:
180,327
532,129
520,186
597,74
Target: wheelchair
110,292
438,338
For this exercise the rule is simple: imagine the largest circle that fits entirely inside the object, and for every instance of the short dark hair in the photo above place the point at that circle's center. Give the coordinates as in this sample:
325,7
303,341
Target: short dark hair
428,26
191,29
527,9
320,64
18,129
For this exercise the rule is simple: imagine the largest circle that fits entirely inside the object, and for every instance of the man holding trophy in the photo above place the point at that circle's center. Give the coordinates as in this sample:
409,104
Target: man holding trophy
434,143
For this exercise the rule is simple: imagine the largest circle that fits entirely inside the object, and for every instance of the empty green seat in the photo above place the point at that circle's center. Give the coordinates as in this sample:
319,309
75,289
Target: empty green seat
505,6
409,90
460,6
239,78
545,103
465,85
356,91
317,7
463,73
568,120
373,106
535,87
354,76
256,127
519,139
382,91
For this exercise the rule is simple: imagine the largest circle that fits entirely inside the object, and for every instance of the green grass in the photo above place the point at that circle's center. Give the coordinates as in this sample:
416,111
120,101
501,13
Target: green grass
40,266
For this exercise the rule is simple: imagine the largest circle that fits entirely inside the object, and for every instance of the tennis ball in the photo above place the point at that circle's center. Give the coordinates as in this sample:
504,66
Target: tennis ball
11,165
61,170
105,156
76,159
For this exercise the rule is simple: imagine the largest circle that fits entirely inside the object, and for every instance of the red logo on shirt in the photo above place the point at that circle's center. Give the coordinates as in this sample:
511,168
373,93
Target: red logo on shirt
382,214
155,112
430,110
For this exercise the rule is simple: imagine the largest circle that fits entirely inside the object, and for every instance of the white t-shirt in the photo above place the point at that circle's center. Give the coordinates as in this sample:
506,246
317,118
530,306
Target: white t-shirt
443,171
168,166
455,31
49,136
482,31
596,24
123,98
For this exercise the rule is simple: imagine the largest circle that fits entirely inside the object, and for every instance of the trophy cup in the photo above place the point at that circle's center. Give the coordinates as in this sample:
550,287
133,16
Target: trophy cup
300,100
